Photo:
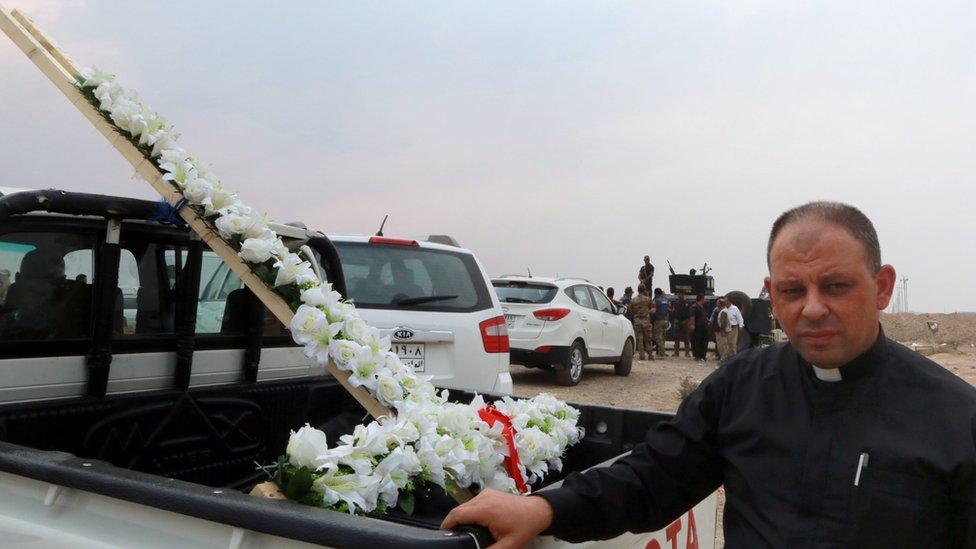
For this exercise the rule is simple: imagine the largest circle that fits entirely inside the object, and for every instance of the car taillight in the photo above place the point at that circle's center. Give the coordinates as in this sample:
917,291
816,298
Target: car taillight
550,314
393,241
494,335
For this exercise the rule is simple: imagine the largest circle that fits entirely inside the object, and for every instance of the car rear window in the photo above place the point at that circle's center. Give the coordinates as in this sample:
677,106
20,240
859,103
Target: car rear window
385,276
515,291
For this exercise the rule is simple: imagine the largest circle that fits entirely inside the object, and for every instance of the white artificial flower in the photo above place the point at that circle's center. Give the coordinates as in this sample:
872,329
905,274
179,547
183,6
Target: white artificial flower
164,140
343,352
321,296
501,481
534,448
305,322
220,201
306,446
456,418
360,449
359,492
372,339
356,329
363,369
93,77
387,471
231,225
393,363
388,389
292,270
257,250
310,327
399,430
107,92
180,173
156,127
197,191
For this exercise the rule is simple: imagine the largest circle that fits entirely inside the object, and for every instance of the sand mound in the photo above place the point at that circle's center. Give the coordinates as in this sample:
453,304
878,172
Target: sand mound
954,328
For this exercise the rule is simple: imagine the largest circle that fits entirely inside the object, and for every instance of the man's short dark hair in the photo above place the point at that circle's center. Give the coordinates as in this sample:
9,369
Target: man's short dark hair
658,291
845,216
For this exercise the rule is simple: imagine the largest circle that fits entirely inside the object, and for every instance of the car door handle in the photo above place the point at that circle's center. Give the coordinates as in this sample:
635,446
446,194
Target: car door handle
583,318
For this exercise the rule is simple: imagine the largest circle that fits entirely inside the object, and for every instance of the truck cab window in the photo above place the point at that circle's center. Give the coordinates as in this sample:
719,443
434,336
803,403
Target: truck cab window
46,286
222,308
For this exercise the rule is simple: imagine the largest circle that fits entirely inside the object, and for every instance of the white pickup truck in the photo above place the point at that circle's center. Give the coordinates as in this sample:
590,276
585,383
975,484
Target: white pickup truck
123,424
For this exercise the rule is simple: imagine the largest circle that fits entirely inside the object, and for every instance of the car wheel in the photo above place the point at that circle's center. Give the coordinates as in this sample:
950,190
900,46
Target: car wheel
572,370
622,368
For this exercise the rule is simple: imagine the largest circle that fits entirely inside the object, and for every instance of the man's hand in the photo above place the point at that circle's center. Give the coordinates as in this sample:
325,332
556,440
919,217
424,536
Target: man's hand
512,520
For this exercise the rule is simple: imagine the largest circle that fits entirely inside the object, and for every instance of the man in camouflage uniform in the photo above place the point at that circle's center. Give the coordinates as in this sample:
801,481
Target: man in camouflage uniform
642,307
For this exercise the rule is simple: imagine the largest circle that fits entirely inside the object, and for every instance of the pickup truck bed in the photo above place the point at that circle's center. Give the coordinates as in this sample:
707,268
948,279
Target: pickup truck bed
195,453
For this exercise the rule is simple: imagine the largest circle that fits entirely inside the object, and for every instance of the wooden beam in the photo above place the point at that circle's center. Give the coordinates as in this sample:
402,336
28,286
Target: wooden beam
64,74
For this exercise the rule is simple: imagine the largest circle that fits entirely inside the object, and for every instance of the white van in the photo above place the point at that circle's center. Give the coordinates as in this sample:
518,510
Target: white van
434,301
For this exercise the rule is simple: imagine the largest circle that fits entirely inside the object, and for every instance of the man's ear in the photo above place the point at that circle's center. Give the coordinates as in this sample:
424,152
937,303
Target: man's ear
885,279
769,292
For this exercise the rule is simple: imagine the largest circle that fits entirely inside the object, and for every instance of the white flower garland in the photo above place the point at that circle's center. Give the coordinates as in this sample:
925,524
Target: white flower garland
429,439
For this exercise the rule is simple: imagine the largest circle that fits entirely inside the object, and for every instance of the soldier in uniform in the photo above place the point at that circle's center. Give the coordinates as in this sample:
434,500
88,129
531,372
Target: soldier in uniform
642,307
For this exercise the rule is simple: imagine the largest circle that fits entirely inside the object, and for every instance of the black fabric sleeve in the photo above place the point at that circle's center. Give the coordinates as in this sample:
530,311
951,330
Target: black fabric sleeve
963,501
675,467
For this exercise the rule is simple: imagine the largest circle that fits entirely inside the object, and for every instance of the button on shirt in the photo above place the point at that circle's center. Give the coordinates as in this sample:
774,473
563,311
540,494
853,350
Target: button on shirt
788,445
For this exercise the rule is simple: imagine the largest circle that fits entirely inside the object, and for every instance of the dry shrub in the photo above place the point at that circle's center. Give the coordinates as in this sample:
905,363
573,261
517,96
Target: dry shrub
686,387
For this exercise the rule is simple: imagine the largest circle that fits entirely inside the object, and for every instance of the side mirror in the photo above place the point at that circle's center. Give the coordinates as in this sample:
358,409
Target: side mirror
622,310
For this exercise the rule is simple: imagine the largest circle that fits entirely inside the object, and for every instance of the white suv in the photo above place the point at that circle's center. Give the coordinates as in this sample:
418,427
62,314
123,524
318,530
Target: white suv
432,299
436,303
564,323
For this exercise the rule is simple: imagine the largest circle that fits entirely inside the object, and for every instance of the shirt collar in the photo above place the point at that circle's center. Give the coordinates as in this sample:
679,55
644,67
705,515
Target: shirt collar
865,364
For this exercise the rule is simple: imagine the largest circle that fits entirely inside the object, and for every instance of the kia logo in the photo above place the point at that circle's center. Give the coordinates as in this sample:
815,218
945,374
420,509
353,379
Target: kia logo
403,333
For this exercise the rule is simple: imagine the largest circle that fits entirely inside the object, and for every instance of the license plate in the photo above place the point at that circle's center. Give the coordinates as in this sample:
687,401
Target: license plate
510,320
411,355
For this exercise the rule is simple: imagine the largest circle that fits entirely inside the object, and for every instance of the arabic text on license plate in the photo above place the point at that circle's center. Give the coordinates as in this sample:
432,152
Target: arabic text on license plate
510,320
411,355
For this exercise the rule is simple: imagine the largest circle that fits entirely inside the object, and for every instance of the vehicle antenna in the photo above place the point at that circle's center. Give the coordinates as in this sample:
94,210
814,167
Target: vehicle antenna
530,271
670,268
380,232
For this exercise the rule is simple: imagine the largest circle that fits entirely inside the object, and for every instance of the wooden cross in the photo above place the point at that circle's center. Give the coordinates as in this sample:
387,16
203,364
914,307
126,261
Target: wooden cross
66,76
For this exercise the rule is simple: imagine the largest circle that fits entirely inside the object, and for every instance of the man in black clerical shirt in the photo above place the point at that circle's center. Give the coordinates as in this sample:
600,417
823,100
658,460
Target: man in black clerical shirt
839,438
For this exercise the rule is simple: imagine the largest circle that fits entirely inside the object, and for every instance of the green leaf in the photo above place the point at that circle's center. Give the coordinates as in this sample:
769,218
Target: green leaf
407,503
299,484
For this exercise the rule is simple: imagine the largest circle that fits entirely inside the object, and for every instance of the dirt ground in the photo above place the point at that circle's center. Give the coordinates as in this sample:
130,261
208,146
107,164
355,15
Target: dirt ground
654,385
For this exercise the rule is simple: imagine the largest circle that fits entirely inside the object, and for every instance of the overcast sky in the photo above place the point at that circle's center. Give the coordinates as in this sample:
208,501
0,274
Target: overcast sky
565,137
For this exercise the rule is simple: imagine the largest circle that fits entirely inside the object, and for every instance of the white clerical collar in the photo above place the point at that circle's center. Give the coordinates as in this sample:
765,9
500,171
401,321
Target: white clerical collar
832,374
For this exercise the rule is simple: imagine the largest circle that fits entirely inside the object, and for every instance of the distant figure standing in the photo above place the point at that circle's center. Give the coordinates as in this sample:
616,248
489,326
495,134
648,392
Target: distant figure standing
699,337
713,326
625,301
682,314
610,292
645,275
662,312
642,307
726,347
4,285
737,324
628,295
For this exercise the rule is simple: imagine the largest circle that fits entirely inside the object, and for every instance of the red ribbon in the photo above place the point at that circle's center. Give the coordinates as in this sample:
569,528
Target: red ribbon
489,414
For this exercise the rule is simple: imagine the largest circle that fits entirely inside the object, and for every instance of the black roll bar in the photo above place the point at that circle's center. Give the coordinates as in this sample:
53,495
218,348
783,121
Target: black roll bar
330,262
